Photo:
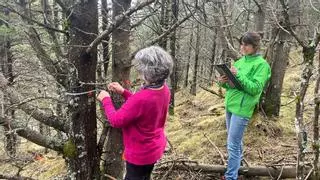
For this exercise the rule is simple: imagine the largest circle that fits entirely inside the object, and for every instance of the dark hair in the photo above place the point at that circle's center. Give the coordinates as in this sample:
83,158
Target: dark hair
251,38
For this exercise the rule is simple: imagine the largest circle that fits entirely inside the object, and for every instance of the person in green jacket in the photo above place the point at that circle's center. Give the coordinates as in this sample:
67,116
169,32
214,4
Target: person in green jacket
253,71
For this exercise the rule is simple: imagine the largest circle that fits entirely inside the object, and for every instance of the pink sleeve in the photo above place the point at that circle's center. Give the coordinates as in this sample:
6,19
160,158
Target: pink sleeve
126,94
128,112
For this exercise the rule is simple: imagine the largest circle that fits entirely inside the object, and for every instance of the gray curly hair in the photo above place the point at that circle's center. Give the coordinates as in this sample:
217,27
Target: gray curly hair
154,64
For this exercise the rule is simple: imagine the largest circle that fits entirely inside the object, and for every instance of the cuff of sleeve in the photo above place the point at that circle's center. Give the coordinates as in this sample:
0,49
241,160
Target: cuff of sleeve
126,93
223,85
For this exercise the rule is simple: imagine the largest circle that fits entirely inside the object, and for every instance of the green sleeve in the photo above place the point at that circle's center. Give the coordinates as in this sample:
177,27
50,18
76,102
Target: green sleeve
224,85
254,85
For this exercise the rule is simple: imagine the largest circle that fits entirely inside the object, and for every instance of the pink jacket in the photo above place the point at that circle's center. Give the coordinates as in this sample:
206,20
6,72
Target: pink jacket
142,118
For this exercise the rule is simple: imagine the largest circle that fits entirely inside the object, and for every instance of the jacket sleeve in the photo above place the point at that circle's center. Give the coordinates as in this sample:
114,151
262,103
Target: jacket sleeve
223,85
254,85
128,113
126,94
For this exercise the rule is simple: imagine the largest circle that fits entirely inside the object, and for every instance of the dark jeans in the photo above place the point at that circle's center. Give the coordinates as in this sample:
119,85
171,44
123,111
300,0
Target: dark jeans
138,172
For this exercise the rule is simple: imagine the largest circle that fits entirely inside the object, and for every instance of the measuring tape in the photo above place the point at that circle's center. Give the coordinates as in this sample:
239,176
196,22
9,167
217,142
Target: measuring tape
83,93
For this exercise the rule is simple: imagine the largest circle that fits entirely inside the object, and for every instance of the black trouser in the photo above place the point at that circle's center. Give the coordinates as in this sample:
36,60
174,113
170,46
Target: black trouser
138,172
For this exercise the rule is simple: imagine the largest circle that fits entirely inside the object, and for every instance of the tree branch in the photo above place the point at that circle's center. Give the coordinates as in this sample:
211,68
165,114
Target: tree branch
46,118
30,20
48,20
63,7
258,5
117,22
141,21
173,27
226,43
314,8
211,91
54,69
104,134
33,136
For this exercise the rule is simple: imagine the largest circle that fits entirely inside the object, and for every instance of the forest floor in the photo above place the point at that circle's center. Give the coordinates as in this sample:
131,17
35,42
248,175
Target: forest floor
197,126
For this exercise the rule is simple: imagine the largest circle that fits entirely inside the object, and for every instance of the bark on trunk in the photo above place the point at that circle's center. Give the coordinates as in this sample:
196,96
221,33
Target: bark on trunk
174,74
105,43
279,60
83,162
164,22
193,89
121,64
316,144
260,16
6,63
213,55
308,55
186,79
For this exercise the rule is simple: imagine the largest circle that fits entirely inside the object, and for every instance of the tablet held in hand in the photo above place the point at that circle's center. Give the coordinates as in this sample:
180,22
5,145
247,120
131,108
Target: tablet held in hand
224,70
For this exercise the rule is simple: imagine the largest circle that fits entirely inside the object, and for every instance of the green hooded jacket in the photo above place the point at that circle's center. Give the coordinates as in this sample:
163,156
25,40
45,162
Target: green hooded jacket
253,72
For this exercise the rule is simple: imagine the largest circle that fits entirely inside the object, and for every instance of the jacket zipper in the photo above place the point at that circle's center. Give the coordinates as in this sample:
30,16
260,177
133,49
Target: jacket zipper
241,103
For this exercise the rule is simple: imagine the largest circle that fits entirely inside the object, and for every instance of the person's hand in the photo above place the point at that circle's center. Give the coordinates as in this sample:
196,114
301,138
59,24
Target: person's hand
102,95
234,70
223,79
115,87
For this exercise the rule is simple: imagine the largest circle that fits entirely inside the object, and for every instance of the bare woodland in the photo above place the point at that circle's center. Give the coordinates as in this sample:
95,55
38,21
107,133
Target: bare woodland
55,55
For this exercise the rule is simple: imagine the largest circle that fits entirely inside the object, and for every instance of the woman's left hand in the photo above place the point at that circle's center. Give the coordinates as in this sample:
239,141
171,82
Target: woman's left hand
102,95
234,70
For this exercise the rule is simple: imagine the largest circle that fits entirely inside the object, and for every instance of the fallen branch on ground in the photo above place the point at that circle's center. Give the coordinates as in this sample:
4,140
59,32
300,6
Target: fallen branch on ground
211,91
15,177
283,172
217,149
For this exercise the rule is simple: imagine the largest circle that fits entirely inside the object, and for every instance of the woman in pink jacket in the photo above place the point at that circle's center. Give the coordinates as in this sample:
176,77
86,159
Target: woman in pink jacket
143,115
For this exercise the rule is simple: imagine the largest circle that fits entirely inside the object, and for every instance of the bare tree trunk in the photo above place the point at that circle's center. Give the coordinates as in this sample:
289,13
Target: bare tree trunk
202,71
186,79
6,64
164,22
222,7
103,64
193,89
213,54
121,64
83,162
11,137
105,43
279,60
248,17
174,75
224,35
102,68
56,19
316,145
308,55
55,15
48,20
260,16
